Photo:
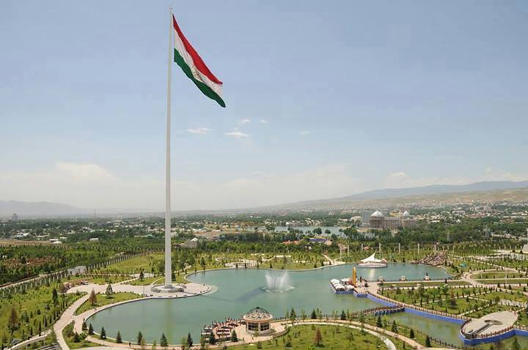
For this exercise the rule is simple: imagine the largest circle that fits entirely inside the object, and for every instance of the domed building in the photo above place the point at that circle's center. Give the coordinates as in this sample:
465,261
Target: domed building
381,222
258,320
376,220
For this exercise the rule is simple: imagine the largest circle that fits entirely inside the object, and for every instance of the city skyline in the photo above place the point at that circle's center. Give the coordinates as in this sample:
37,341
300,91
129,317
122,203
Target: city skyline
404,99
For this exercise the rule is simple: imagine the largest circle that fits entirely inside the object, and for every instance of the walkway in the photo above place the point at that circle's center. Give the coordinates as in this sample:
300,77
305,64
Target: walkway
191,289
333,261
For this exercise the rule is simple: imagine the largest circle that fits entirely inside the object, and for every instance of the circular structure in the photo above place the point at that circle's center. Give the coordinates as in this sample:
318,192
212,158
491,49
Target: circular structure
168,289
258,320
487,328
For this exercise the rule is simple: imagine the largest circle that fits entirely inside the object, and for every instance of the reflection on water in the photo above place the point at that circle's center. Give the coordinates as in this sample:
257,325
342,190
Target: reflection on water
240,290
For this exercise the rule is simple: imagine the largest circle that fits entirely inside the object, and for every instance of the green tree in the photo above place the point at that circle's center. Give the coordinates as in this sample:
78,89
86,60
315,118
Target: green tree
12,322
54,297
118,338
379,323
212,339
163,340
92,298
411,334
189,340
394,327
234,337
90,329
139,338
109,291
516,345
293,315
427,341
103,333
318,338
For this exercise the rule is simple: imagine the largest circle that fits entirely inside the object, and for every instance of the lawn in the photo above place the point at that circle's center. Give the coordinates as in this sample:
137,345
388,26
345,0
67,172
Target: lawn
146,281
103,300
332,337
35,311
426,283
73,343
503,281
148,263
497,274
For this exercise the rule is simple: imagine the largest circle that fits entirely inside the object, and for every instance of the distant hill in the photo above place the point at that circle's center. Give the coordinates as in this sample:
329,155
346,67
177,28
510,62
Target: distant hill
437,189
33,209
425,195
435,195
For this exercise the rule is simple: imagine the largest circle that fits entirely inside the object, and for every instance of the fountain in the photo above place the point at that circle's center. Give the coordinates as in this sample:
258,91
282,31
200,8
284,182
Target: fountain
277,282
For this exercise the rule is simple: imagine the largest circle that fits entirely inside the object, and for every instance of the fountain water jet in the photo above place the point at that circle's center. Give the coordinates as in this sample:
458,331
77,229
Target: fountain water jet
278,282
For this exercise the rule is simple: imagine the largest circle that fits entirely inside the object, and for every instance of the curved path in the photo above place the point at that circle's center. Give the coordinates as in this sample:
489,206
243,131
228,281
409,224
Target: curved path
375,331
68,316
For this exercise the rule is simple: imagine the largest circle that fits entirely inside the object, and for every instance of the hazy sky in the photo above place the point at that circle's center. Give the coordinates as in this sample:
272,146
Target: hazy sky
324,99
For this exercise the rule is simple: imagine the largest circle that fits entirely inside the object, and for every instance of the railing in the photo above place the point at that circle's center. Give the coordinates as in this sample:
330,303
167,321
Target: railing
434,312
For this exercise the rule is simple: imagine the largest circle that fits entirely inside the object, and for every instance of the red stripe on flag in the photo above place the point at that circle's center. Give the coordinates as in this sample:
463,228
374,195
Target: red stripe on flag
198,62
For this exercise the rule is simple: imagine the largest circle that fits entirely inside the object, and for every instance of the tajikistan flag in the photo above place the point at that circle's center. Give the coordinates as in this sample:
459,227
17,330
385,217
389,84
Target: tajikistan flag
194,67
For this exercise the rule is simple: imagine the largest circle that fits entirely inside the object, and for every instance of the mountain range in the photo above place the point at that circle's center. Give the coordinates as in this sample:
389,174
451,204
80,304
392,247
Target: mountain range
489,191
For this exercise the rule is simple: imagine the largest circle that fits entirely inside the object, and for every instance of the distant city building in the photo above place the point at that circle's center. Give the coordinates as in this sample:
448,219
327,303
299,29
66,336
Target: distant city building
381,222
191,243
14,217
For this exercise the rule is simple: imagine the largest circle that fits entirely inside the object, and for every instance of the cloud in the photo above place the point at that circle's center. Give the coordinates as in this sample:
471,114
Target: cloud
86,172
199,131
244,121
304,132
263,121
90,185
237,134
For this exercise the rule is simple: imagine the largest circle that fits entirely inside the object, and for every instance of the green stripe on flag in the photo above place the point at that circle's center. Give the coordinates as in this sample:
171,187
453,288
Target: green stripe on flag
207,91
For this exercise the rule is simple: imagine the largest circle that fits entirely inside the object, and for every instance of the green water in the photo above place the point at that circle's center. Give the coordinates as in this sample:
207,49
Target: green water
240,290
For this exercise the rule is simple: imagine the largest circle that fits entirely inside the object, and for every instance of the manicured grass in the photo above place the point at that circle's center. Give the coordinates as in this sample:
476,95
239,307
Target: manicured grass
69,337
35,311
147,263
497,274
333,337
146,281
503,280
104,300
515,295
489,309
425,283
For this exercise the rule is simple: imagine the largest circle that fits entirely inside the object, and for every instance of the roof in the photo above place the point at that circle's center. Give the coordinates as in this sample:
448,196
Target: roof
258,313
377,214
371,258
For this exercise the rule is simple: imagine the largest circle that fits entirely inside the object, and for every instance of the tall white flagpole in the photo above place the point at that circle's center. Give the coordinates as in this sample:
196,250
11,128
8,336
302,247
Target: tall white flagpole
168,265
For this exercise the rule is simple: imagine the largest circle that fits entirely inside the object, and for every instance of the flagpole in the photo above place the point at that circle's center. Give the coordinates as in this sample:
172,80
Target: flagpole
168,265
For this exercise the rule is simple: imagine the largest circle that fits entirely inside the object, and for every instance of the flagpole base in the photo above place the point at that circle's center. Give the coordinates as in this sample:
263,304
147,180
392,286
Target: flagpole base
168,288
